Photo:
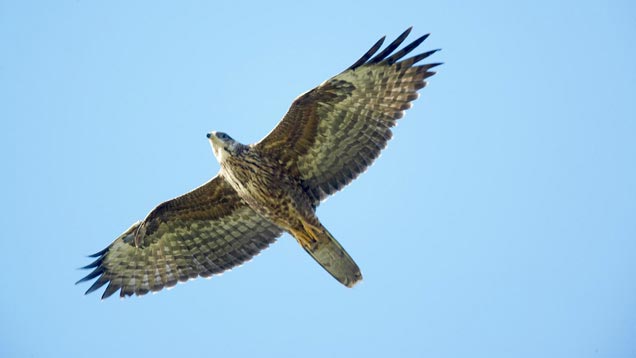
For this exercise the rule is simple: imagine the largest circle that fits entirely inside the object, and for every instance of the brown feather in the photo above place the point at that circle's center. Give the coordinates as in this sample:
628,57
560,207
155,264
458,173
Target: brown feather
332,133
202,233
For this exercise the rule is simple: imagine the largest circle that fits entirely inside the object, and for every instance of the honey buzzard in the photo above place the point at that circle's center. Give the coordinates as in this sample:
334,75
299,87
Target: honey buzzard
329,136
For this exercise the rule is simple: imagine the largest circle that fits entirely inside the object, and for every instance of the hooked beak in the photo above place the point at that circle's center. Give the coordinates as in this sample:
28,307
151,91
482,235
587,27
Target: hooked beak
215,143
214,140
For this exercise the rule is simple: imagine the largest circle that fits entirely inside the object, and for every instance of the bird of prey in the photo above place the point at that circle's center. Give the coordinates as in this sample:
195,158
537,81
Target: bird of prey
329,136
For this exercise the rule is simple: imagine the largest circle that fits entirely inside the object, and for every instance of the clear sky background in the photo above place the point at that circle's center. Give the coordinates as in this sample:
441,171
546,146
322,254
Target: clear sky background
499,222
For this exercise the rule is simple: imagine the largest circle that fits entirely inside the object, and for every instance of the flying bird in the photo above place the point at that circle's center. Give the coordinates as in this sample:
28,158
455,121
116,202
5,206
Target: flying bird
328,137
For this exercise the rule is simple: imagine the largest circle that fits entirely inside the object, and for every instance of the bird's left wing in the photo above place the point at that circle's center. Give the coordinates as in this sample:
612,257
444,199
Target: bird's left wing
332,133
204,232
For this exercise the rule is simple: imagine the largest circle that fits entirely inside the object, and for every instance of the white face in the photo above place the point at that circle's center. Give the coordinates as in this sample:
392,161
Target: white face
221,144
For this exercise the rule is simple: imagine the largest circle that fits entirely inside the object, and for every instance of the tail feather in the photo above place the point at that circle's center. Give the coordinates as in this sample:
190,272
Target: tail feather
328,252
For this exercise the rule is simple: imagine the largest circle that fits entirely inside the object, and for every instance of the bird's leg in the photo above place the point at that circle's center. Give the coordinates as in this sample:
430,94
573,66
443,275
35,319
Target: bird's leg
302,237
308,236
314,232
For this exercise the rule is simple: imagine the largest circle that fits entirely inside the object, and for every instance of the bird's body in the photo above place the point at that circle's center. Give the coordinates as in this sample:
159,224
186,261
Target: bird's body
277,195
329,136
260,180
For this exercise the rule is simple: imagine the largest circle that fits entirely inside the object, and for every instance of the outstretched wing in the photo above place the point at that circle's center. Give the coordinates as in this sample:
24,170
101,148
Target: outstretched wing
204,232
332,133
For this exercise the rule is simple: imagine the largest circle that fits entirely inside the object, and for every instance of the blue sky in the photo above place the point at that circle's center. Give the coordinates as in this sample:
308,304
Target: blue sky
499,222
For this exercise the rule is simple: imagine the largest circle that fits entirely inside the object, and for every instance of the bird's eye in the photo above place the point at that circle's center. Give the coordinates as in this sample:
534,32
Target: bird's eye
222,135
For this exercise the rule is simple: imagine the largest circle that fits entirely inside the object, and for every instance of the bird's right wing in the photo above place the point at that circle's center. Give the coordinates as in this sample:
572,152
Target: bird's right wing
204,232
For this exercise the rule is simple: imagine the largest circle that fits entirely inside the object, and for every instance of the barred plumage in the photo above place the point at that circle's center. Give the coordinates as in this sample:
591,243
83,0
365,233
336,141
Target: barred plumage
328,137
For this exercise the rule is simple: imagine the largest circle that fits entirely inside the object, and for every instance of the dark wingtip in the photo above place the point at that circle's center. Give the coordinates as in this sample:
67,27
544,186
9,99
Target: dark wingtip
417,58
392,46
388,57
96,272
433,51
96,285
110,289
407,49
100,253
368,54
423,37
93,264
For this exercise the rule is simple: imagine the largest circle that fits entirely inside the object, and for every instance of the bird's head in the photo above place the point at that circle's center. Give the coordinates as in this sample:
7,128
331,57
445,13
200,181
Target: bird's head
223,145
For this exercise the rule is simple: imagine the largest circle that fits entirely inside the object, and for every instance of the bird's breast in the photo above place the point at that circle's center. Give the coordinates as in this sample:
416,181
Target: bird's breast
267,188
